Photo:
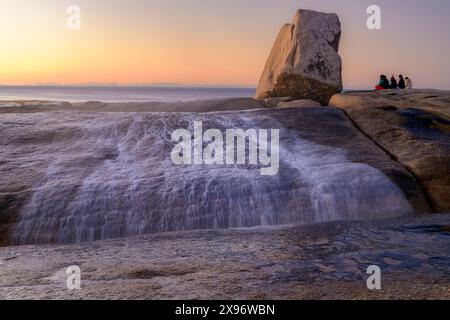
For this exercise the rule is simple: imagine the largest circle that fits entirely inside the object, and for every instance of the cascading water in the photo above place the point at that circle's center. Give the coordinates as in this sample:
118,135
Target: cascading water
110,175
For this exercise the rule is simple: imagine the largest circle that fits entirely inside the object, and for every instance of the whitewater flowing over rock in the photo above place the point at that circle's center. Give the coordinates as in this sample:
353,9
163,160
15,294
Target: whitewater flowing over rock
69,177
304,62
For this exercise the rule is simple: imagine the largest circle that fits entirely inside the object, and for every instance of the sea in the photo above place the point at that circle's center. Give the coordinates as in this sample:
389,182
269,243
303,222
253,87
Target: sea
120,93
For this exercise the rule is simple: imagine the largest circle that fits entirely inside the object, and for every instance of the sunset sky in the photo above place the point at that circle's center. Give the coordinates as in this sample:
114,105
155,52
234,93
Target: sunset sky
224,42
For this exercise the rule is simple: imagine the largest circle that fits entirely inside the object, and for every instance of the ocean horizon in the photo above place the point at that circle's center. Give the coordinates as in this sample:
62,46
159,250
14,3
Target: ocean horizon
127,93
122,93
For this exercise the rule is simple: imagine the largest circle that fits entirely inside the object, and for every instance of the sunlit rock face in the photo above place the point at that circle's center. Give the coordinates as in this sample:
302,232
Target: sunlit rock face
304,62
413,126
69,177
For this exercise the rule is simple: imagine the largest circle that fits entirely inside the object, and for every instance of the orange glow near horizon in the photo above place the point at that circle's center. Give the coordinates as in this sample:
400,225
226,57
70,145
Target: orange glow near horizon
42,50
199,42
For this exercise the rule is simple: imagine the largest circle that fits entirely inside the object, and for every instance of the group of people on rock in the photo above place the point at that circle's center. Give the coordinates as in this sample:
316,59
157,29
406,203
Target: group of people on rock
402,83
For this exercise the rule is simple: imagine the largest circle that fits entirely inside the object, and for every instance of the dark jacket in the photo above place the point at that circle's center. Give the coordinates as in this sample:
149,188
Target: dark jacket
384,83
393,84
401,83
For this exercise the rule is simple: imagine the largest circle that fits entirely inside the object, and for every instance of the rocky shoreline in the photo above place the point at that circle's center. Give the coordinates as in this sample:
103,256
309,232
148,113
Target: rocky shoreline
69,135
398,132
318,261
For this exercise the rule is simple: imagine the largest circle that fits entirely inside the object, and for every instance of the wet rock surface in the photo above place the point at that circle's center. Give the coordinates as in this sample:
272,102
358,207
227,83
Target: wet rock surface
214,105
314,261
318,261
78,176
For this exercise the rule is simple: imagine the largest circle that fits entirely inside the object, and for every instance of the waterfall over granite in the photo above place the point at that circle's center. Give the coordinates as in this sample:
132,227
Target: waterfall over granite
108,175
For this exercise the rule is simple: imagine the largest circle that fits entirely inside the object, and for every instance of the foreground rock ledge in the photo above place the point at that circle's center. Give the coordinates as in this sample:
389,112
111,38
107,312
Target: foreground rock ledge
320,261
304,62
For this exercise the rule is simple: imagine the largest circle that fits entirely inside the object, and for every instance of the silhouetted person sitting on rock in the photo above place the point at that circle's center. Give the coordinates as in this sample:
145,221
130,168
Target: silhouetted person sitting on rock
401,82
393,84
384,83
408,83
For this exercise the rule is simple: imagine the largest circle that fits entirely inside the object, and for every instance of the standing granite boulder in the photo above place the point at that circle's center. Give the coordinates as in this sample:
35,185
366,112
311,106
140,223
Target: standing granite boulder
304,62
